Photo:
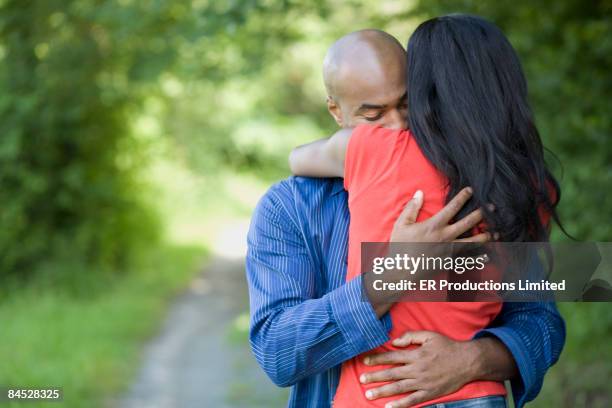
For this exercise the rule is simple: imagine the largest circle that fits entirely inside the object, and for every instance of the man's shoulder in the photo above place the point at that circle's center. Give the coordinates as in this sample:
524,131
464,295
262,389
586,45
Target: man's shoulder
295,189
296,196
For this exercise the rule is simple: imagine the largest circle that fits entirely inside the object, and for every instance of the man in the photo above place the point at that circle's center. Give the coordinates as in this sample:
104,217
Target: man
306,320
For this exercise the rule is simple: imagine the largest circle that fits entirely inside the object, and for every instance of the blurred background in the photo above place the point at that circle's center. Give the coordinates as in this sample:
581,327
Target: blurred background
136,136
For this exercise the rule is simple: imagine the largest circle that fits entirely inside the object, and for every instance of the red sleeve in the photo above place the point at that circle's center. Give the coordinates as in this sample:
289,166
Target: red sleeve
359,161
367,150
354,151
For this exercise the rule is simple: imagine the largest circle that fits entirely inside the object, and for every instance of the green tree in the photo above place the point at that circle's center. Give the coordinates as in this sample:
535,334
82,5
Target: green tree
73,77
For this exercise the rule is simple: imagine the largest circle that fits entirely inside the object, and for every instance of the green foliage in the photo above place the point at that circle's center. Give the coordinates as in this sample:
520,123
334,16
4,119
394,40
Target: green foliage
88,344
582,377
88,88
72,80
67,185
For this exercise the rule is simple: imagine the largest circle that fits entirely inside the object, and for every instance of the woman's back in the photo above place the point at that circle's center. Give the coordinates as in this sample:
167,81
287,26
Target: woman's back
383,170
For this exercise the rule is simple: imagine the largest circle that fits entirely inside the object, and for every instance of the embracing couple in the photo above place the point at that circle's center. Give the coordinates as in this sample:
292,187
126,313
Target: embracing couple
437,144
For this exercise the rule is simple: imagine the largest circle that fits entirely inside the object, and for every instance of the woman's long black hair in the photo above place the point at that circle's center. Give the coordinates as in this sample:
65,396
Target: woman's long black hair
468,110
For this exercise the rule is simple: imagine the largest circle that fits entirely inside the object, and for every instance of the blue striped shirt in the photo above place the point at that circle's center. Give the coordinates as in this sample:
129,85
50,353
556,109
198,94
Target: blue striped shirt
306,320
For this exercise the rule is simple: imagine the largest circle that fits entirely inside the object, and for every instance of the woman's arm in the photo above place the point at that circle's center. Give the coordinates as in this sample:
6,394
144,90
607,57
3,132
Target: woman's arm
322,158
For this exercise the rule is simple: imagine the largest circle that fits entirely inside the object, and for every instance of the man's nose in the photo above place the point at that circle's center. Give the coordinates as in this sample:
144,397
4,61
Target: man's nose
396,120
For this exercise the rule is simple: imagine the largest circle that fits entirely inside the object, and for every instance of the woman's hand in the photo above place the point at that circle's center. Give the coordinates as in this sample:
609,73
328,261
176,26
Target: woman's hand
438,227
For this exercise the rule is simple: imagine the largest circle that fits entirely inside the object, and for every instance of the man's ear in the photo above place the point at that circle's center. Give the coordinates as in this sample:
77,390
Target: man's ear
334,110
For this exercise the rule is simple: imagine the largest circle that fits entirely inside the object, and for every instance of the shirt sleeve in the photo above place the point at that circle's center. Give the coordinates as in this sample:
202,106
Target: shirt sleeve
535,334
358,157
294,334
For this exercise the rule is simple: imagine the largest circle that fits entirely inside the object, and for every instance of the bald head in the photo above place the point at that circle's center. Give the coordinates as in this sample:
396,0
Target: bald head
364,69
360,53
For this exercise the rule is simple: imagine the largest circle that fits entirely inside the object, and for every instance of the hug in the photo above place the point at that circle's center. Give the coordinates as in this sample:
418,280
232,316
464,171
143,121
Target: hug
437,143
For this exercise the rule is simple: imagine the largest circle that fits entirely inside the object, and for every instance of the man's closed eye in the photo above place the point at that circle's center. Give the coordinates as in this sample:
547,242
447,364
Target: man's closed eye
373,118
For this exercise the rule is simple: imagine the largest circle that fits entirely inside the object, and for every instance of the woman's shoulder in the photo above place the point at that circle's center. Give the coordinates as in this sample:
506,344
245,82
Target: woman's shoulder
375,137
365,129
375,140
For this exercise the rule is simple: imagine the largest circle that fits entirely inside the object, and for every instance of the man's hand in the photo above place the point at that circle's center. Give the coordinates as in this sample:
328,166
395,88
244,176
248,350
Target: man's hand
438,367
438,227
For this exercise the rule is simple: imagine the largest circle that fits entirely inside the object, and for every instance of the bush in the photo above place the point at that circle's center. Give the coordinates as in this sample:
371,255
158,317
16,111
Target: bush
68,184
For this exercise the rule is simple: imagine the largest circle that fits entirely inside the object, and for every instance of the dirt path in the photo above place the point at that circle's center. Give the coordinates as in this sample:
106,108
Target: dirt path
201,358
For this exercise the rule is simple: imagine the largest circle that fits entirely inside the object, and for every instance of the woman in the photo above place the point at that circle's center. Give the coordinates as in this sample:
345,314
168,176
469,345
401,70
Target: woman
470,125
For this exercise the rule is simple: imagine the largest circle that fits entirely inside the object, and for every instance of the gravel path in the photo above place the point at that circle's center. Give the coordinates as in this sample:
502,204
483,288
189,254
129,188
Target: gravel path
201,358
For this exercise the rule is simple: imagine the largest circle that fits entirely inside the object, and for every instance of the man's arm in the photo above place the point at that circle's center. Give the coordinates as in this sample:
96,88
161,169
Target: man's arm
523,343
321,158
294,334
534,333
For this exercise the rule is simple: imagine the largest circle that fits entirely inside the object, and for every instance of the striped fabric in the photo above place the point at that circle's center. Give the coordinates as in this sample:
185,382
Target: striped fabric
305,320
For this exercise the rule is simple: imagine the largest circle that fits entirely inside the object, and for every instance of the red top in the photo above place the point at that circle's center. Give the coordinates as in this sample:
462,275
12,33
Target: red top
383,170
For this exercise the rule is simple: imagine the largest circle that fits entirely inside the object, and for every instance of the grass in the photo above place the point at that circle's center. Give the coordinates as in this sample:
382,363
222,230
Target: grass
83,329
89,342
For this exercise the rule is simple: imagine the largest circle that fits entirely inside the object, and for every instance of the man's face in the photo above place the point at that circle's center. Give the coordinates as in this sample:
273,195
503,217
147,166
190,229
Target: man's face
374,95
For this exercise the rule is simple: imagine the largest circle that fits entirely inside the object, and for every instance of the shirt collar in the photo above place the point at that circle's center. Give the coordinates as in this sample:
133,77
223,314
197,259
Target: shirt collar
338,186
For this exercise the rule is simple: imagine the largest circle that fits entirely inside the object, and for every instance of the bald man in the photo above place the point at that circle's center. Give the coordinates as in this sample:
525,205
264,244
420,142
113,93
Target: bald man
364,74
306,320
